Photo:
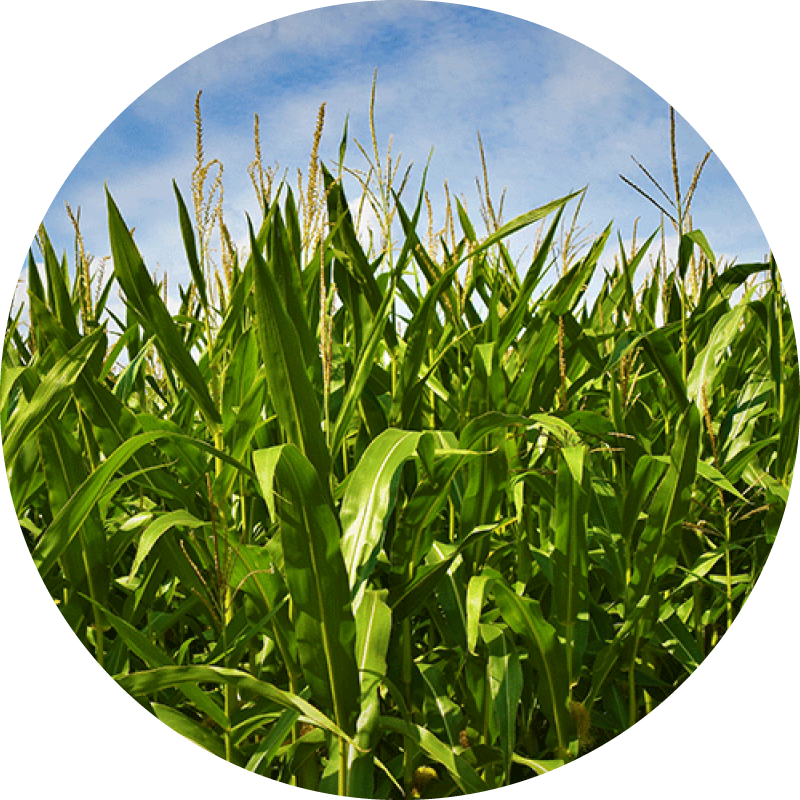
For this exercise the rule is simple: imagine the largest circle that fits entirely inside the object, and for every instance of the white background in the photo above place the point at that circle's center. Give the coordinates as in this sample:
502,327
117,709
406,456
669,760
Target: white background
68,69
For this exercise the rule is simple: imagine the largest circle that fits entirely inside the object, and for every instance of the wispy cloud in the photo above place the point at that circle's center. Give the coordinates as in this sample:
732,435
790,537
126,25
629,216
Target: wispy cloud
554,116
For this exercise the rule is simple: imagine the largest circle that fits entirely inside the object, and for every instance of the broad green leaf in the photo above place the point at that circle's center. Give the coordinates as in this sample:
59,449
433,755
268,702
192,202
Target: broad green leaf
257,574
71,516
345,240
790,425
703,375
711,473
317,579
127,379
290,389
405,402
112,422
571,555
159,526
87,556
538,765
8,379
69,519
524,616
194,731
566,293
154,657
646,474
505,686
268,747
373,630
442,716
514,318
518,223
156,680
478,587
361,373
675,637
451,590
369,500
661,354
686,247
57,287
406,598
52,392
659,542
145,300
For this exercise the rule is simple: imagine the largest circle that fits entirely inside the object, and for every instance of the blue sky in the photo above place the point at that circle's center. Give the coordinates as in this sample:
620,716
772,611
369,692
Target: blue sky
553,116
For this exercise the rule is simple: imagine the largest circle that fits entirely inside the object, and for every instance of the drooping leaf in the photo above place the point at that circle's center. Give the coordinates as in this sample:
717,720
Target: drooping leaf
369,500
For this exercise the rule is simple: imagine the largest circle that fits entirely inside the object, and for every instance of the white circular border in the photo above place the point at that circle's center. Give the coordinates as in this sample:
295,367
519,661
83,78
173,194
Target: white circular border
69,69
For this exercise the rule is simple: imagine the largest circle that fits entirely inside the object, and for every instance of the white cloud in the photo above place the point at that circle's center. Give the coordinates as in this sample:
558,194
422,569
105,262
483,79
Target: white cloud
553,116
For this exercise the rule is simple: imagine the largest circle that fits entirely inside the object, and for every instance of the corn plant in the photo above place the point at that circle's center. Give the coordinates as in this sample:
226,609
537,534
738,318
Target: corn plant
399,519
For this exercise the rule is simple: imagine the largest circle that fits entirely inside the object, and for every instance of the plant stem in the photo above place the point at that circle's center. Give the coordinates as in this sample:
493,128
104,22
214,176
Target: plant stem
632,709
408,756
342,768
728,579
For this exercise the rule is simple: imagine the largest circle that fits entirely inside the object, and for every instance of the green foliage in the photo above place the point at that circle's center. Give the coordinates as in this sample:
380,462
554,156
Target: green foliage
385,523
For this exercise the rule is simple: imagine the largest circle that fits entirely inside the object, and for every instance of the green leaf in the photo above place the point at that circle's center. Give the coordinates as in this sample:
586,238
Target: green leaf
675,637
145,301
477,589
57,288
505,688
159,526
711,473
465,777
369,500
408,597
405,401
190,245
571,286
514,318
517,224
316,577
524,617
661,354
708,362
570,556
87,554
156,680
268,747
365,363
790,425
538,765
155,657
192,730
373,630
660,539
71,517
257,574
290,389
128,378
686,247
50,395
646,474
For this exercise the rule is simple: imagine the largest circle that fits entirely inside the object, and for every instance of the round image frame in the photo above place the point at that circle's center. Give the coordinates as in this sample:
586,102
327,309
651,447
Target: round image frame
729,727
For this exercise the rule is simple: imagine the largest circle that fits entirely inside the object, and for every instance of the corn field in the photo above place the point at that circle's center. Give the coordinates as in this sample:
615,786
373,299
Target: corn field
406,517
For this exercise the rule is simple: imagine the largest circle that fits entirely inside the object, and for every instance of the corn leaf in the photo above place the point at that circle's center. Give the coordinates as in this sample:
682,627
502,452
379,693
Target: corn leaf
144,299
317,579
